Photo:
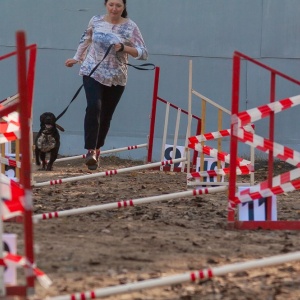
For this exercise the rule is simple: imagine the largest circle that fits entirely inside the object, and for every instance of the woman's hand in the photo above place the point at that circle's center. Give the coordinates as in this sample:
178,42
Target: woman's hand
119,47
70,62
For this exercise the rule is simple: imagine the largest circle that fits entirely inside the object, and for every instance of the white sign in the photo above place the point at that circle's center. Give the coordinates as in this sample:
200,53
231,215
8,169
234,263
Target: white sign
210,164
256,210
178,154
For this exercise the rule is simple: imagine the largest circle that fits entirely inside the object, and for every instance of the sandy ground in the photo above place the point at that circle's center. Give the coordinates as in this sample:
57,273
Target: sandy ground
118,246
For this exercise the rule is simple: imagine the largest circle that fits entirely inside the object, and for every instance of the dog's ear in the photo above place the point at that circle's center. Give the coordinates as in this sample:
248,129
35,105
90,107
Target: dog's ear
59,127
42,116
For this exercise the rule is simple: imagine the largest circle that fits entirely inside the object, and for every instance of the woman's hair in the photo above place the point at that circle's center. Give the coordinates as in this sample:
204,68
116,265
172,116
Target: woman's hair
124,13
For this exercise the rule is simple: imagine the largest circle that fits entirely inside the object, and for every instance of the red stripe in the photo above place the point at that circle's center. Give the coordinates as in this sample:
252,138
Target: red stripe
193,277
93,295
201,275
244,117
131,203
285,178
119,204
193,140
288,153
265,111
82,296
44,217
277,190
73,297
125,203
255,195
56,214
224,132
286,103
209,136
296,183
210,273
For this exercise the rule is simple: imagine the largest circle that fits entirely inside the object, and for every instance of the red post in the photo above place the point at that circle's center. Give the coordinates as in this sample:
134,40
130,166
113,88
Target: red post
25,178
153,115
271,154
233,138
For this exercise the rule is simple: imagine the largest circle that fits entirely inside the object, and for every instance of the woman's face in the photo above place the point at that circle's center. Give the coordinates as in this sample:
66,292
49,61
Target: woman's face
115,8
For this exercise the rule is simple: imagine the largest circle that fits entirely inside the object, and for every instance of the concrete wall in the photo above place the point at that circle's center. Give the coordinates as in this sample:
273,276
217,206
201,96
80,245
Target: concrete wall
176,31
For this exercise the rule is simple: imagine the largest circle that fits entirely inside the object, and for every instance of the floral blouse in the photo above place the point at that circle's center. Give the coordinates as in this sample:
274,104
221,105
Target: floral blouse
95,41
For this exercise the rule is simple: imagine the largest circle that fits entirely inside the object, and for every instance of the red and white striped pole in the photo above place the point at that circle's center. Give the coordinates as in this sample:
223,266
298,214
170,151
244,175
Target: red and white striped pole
111,172
181,278
127,203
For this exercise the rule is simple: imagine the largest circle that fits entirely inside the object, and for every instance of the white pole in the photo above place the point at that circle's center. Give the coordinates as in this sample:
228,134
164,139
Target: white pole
104,152
111,172
126,203
181,278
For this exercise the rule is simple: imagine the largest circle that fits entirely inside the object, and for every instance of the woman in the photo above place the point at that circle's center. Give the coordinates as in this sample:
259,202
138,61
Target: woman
106,85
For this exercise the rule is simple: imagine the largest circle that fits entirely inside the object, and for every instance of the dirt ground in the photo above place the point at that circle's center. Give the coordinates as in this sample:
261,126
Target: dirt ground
118,246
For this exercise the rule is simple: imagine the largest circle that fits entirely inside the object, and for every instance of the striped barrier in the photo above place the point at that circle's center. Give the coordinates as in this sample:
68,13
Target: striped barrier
284,153
258,113
243,170
10,259
10,162
277,180
10,127
194,276
111,172
215,135
223,156
104,152
268,192
127,203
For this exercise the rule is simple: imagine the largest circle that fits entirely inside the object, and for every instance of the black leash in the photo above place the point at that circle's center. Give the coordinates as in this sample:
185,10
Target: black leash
138,67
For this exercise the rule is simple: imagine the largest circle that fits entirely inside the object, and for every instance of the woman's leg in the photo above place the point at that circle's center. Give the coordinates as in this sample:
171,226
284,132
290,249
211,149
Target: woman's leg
110,100
94,94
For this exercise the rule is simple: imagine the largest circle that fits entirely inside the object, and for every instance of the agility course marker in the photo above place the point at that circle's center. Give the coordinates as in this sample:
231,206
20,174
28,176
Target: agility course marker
181,115
22,107
111,172
104,152
194,276
127,203
220,112
242,118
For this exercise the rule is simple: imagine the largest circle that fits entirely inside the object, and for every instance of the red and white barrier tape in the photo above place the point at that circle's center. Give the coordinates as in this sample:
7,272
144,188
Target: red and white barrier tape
216,135
275,190
257,113
10,129
10,162
284,153
243,170
14,260
223,156
12,196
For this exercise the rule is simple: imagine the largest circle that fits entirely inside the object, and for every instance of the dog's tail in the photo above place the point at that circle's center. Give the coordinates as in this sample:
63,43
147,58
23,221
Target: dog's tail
59,127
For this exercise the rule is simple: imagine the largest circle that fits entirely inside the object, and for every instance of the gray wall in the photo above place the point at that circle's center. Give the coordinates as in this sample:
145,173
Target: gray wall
175,31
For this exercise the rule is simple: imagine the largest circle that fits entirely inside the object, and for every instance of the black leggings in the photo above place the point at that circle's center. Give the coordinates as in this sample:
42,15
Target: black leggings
102,101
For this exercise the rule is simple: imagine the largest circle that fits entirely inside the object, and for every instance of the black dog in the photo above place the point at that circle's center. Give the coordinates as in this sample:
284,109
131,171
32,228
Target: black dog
47,141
